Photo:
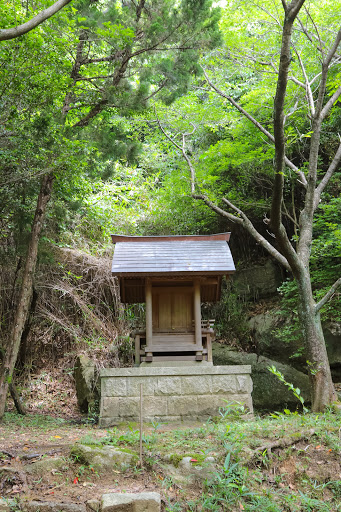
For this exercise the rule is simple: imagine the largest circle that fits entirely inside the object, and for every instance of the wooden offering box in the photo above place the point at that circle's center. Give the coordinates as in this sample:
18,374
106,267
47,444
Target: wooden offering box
173,275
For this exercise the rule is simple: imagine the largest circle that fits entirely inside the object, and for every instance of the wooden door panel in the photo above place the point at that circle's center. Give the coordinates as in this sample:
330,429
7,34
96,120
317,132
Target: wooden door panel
182,307
173,309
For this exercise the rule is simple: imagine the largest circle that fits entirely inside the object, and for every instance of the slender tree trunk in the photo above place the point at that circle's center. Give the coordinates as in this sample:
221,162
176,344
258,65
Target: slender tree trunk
16,399
20,317
323,391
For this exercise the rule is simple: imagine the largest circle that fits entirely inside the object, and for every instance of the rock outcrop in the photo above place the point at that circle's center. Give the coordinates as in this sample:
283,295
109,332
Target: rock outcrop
268,392
86,383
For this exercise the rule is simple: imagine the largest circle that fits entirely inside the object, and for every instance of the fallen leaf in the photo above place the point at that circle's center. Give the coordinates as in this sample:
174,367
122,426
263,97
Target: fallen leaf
57,437
317,447
76,480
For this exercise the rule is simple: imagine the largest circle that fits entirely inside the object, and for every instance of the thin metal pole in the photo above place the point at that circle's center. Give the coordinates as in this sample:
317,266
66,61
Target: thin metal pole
141,423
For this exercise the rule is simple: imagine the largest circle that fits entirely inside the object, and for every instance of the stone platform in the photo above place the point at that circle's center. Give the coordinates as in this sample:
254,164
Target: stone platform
172,393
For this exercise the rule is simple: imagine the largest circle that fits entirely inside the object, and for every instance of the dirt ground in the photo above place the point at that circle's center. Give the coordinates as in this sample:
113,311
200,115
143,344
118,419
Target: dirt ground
22,447
53,425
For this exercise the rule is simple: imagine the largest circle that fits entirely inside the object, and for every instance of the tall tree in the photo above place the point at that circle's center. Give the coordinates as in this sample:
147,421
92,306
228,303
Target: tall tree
125,53
294,257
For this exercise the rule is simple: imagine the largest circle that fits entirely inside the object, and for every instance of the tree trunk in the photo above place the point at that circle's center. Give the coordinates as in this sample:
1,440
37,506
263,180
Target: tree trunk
16,399
323,391
24,300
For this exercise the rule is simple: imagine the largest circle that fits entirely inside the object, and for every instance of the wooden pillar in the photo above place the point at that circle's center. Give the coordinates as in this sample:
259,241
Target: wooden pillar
149,321
197,320
137,349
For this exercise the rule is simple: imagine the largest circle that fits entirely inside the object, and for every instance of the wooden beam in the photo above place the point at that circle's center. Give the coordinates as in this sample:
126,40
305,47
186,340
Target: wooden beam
137,349
149,318
197,318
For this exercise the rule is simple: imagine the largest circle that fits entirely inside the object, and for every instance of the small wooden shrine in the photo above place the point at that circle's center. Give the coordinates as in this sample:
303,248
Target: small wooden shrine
173,275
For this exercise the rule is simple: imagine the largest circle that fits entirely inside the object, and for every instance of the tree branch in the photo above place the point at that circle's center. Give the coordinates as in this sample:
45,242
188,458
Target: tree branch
324,182
307,84
330,103
257,124
244,221
279,136
181,148
11,33
328,295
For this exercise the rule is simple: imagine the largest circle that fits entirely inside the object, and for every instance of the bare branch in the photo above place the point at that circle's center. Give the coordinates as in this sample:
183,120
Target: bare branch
244,221
333,48
330,103
324,182
307,84
11,33
316,30
181,148
165,133
328,295
257,124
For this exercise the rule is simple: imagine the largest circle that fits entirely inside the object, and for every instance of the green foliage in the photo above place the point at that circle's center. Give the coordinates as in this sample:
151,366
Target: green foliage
230,316
295,391
325,269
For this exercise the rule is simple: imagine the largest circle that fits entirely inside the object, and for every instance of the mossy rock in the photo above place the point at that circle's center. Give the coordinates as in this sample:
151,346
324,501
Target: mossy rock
195,459
46,465
184,471
104,458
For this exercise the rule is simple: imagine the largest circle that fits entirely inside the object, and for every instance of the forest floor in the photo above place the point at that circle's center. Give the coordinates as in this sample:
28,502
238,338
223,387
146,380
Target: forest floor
279,462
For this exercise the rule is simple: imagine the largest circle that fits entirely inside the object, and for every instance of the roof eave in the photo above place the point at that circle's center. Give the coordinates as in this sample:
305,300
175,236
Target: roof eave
177,238
175,274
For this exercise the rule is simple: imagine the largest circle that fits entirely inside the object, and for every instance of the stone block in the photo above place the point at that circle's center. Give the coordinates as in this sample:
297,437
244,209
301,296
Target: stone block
168,386
116,386
109,421
53,506
224,384
183,405
93,505
242,399
243,384
129,502
133,386
129,407
110,407
196,385
208,405
155,406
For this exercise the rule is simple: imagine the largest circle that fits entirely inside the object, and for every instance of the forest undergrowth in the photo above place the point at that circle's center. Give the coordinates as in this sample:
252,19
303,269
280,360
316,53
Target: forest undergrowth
278,462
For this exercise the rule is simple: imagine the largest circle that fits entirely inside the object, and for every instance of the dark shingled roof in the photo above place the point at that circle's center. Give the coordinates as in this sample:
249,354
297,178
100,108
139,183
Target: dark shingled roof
173,257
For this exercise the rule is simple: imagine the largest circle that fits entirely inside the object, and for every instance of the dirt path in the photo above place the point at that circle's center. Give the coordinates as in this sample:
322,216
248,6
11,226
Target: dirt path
35,464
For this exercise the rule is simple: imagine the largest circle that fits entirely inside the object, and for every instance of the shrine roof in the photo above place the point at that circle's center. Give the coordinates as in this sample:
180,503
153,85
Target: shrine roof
178,255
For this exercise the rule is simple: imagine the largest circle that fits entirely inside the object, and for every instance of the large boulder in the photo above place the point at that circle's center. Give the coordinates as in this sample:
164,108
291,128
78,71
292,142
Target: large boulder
268,392
332,336
86,383
189,470
263,328
258,281
103,458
